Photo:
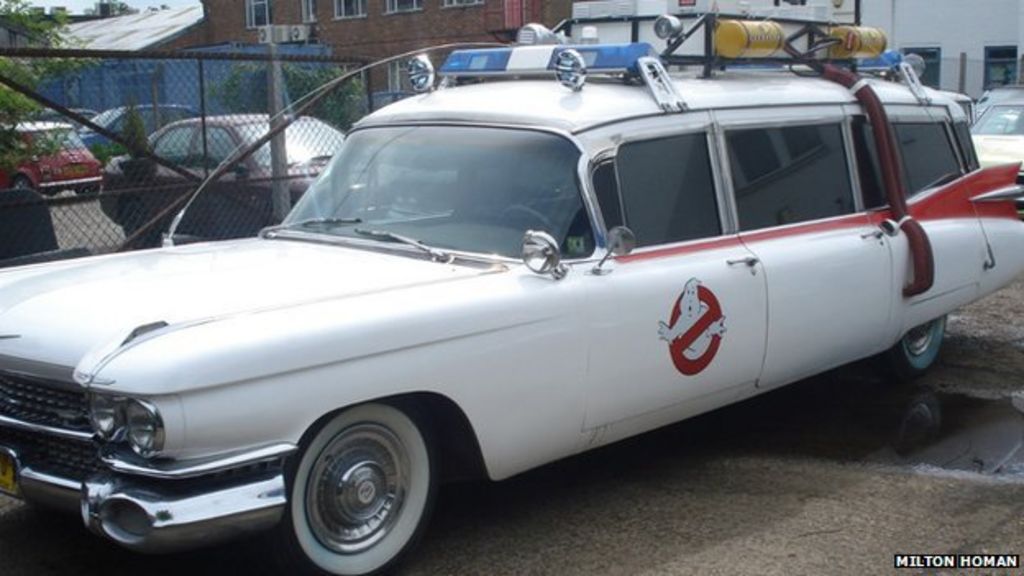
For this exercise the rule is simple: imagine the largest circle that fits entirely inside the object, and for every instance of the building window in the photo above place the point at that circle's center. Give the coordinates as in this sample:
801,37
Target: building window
393,6
257,13
454,3
932,65
308,11
349,8
395,73
1000,66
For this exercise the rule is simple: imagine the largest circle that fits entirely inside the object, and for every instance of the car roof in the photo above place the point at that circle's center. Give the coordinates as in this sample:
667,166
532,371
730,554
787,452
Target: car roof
43,126
600,102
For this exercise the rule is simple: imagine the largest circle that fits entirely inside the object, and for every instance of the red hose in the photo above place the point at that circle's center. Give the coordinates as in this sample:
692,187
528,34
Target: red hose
892,178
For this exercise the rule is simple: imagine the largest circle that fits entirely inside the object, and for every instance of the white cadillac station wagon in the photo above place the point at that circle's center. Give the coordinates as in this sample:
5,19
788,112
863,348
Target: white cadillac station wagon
500,272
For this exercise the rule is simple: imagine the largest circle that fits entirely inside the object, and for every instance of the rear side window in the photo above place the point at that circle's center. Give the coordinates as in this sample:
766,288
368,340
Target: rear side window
789,175
928,155
667,189
967,152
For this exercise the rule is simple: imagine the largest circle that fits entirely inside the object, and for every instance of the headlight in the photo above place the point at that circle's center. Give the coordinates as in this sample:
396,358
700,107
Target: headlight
145,428
106,415
137,422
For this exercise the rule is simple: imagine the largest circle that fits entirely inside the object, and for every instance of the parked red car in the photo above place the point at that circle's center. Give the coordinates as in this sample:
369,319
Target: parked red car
66,164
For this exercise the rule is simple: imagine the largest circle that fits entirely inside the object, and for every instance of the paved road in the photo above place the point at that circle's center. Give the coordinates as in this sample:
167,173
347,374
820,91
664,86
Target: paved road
800,481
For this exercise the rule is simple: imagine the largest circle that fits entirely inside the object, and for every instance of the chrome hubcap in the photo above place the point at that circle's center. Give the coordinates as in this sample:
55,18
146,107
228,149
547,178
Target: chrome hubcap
356,488
919,339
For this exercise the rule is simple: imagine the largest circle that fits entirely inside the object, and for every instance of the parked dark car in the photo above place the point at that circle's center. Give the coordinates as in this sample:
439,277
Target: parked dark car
152,117
62,161
240,203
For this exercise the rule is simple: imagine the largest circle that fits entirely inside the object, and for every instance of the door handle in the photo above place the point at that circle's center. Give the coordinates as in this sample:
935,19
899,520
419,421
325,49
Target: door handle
748,261
876,235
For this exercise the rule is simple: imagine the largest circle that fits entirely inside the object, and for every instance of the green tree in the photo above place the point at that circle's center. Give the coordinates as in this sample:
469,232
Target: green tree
245,91
14,107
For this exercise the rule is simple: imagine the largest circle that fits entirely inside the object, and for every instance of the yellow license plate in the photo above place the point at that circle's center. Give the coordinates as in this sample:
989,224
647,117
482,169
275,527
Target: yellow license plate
8,478
77,170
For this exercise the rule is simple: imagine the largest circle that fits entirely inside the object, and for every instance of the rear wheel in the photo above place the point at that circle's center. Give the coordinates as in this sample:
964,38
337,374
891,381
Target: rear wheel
360,495
916,352
22,182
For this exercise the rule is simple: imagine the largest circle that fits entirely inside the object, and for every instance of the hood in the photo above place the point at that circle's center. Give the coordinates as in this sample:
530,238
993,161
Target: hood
996,150
58,313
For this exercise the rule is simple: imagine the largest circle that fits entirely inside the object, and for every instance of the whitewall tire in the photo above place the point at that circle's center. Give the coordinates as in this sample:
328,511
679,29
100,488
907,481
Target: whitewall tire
361,493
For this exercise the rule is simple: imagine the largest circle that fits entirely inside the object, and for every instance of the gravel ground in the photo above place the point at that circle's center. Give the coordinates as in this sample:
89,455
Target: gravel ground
794,482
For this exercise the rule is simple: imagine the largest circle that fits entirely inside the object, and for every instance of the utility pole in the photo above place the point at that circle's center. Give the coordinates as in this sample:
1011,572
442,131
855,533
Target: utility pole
280,194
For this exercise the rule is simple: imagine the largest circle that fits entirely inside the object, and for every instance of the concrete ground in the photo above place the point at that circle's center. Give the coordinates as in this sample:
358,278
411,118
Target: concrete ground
805,480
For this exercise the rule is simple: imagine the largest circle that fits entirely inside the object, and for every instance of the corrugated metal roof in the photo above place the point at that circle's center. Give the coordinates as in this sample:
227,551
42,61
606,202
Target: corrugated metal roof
135,31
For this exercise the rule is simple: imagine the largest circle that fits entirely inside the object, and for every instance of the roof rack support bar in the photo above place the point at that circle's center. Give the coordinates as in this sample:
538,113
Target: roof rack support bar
660,85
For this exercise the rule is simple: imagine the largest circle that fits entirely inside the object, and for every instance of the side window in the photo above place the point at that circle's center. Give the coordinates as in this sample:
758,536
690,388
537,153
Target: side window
606,187
928,156
789,175
174,145
668,191
967,152
219,146
868,167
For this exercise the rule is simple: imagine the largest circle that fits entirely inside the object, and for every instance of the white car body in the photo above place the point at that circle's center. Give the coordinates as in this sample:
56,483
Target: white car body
249,343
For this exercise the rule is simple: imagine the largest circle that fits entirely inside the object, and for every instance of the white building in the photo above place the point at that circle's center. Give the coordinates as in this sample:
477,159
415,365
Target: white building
969,46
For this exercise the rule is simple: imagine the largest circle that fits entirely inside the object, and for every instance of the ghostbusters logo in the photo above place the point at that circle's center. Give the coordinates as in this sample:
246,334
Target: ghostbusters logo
694,330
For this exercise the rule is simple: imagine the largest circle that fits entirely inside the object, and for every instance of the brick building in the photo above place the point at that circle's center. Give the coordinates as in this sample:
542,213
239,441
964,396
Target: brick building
373,29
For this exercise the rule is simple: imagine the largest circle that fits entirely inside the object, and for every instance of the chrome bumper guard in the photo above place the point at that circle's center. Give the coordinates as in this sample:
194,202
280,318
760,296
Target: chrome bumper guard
144,519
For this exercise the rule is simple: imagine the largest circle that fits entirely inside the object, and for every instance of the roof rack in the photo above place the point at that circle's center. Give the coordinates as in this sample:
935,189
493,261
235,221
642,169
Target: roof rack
727,41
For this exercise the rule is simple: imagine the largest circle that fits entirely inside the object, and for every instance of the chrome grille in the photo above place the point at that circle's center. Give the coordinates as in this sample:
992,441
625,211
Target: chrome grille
41,402
62,457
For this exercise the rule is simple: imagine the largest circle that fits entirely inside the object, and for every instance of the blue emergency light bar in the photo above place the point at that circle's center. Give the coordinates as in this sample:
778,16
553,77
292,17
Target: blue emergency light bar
522,60
888,61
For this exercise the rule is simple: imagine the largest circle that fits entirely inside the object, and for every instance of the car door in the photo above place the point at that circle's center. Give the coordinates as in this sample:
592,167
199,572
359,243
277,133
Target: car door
828,268
678,326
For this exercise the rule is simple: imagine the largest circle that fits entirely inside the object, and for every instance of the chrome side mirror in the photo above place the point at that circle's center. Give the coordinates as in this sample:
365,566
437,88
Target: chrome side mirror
621,241
542,256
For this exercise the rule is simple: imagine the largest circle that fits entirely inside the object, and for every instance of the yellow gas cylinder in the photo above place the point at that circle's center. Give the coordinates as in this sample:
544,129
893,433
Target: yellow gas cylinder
748,39
858,42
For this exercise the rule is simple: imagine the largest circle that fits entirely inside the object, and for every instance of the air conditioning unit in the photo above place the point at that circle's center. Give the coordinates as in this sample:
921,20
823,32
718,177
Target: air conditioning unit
282,34
298,33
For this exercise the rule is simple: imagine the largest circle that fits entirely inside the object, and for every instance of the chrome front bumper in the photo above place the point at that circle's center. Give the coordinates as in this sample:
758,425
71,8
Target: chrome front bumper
145,520
156,516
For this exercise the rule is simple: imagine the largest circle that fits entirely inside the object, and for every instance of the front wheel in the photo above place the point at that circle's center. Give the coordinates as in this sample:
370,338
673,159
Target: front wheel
361,493
916,352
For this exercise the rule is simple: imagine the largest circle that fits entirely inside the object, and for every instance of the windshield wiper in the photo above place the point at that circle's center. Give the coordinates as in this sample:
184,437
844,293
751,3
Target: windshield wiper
435,254
310,222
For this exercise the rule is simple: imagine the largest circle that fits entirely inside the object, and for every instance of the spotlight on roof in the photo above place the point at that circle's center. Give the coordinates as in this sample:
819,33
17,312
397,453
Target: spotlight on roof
667,26
571,69
533,34
421,73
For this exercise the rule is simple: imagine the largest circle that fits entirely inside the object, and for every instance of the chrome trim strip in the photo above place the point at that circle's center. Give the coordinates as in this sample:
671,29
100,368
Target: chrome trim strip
187,469
39,370
42,429
75,182
36,476
1008,193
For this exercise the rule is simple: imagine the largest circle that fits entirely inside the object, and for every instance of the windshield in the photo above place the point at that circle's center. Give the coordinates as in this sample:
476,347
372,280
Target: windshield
1001,121
306,139
106,117
468,189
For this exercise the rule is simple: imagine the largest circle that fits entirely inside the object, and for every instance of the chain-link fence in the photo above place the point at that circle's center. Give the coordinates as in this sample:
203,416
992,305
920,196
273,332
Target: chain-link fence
130,137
